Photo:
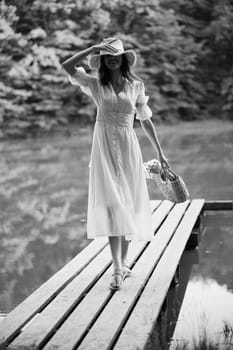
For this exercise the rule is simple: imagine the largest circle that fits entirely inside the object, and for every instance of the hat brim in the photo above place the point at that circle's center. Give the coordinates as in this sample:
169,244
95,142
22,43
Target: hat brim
94,60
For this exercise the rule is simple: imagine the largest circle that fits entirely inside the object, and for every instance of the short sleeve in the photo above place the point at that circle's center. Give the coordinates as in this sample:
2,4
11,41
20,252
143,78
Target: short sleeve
143,110
86,82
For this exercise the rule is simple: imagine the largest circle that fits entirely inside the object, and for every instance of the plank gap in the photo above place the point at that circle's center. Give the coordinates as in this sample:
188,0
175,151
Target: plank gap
164,217
92,322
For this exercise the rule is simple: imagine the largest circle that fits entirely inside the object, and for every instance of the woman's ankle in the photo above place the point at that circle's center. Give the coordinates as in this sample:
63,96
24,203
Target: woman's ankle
117,268
125,263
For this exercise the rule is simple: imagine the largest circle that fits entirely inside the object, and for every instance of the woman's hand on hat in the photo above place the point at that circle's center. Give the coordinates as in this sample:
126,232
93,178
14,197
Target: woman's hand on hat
105,47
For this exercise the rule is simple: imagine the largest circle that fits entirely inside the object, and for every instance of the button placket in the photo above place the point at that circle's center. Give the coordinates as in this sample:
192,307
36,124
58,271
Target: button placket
116,140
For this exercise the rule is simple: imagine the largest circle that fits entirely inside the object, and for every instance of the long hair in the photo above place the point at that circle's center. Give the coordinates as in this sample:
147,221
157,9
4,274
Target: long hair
105,73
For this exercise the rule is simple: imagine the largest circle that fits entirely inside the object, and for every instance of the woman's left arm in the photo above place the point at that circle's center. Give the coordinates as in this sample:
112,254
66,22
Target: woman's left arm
151,133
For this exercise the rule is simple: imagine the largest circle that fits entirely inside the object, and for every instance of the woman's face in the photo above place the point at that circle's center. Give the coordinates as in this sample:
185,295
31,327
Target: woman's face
113,62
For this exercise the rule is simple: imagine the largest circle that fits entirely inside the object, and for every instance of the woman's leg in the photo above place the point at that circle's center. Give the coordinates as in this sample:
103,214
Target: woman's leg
115,246
124,250
124,257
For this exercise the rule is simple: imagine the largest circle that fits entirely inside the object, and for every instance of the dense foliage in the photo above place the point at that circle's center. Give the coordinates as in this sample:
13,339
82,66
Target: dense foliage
184,49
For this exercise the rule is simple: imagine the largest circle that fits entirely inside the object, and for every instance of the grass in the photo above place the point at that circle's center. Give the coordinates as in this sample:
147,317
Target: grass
158,340
225,341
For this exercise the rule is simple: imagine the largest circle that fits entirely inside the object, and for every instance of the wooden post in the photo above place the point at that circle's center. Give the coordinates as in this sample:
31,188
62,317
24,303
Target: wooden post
194,237
175,280
218,205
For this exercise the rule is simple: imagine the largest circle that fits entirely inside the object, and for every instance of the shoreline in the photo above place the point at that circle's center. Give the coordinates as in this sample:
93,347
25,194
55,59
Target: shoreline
163,128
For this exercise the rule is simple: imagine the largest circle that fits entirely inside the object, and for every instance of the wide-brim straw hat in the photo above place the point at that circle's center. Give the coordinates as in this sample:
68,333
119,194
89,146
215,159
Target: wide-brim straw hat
94,60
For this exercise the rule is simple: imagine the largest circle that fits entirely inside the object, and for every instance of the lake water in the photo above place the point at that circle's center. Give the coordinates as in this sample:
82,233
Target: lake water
43,201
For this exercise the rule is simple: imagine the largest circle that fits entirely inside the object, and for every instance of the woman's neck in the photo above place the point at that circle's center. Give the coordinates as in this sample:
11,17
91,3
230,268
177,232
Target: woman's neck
116,77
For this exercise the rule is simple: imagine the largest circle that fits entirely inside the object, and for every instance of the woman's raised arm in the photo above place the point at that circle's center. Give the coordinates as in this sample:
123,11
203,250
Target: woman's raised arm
70,63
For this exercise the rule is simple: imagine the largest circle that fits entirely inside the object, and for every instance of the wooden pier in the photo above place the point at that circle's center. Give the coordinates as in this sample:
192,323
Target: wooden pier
75,309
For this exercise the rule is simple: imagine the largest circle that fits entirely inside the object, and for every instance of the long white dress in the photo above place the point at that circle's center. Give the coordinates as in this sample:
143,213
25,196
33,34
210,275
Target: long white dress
118,200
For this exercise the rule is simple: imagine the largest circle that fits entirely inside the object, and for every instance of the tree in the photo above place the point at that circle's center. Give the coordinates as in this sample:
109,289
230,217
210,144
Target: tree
184,55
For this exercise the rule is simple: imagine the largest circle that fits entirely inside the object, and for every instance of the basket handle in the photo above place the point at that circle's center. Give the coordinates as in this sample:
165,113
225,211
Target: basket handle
168,174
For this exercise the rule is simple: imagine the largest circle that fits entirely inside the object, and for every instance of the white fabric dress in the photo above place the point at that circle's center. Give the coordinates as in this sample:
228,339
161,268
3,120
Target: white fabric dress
118,202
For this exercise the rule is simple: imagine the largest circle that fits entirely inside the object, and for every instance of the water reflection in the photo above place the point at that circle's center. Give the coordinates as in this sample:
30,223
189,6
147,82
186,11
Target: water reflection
207,308
43,198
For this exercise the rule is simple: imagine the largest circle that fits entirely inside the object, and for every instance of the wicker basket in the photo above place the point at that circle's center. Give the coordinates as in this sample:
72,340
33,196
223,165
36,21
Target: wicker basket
171,185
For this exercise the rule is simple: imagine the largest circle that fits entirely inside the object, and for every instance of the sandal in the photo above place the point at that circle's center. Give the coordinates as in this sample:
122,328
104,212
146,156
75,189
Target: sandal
117,282
126,272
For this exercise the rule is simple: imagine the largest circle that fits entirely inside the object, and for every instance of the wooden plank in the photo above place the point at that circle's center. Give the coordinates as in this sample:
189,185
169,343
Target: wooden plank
94,302
102,333
161,213
218,205
24,312
154,204
45,323
138,327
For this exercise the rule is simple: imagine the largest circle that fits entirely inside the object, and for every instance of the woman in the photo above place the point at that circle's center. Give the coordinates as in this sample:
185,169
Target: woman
118,202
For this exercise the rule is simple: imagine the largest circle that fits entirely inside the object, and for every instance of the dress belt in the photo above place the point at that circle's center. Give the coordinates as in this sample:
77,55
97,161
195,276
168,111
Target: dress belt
117,121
